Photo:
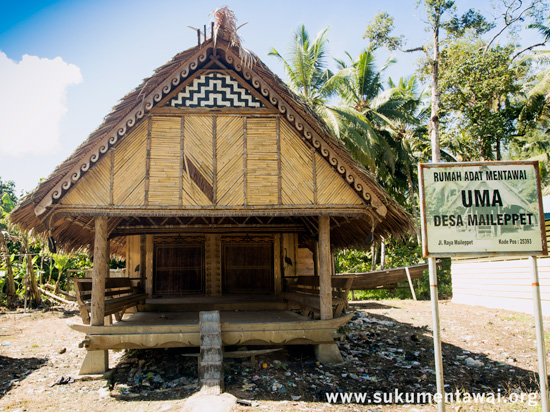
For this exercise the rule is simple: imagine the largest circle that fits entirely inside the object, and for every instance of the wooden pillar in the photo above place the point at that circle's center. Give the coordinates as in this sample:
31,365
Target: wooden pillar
97,361
325,285
100,271
278,283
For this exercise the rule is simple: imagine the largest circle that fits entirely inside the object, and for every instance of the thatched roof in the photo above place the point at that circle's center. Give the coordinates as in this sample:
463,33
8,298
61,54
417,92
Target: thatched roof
391,218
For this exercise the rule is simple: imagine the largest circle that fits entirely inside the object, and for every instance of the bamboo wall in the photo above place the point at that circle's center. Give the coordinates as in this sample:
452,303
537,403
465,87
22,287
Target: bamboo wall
211,160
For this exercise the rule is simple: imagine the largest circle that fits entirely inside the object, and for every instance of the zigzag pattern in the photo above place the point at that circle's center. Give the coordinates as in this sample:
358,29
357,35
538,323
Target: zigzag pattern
215,90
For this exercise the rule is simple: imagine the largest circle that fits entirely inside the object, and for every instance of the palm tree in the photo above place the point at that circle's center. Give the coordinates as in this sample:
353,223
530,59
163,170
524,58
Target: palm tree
306,67
412,143
368,116
542,56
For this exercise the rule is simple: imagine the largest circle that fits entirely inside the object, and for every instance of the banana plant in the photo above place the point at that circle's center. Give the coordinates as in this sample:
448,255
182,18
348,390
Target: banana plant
6,207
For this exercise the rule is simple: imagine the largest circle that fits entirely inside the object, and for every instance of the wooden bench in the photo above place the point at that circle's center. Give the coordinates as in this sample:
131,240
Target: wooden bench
303,292
120,295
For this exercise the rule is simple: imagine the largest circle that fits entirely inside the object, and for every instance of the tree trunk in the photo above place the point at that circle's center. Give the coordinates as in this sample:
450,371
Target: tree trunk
434,118
415,209
374,252
383,254
31,279
41,275
10,282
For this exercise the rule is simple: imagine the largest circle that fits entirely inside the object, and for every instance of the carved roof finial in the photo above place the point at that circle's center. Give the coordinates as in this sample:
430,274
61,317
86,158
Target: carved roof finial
225,26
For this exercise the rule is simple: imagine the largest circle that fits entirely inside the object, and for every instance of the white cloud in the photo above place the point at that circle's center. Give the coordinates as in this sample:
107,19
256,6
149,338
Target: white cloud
32,103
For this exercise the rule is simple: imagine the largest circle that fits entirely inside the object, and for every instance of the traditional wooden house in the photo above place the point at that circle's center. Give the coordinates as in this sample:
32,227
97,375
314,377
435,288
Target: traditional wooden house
221,188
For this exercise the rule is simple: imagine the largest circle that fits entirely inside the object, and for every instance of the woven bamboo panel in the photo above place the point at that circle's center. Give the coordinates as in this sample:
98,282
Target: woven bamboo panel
165,137
129,168
296,169
262,178
192,194
94,188
229,152
198,144
331,186
164,172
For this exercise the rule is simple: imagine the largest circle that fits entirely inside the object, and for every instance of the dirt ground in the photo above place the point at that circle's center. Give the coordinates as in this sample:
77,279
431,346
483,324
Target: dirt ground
387,349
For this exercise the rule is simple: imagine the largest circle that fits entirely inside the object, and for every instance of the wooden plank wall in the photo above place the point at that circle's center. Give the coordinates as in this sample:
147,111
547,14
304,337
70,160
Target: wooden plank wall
304,262
504,284
290,245
133,255
205,160
213,265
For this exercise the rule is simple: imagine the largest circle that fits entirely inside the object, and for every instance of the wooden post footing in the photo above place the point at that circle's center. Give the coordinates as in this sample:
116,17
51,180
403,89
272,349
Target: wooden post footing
328,353
95,362
211,354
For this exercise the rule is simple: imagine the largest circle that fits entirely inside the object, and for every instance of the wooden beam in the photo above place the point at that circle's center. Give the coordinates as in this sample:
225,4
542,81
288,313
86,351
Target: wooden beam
277,278
245,163
149,265
279,174
228,228
100,271
325,285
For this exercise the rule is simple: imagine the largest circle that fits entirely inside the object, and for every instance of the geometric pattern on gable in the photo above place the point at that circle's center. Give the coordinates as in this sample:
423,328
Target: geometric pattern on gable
215,90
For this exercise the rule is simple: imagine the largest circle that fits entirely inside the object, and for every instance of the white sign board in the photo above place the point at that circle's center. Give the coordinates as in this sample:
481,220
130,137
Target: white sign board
481,208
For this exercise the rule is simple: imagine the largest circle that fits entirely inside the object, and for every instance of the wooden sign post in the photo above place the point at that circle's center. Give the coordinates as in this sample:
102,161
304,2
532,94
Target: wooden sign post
483,209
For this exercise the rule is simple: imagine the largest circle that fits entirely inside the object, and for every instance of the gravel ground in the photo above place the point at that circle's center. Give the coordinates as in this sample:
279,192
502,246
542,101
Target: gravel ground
387,349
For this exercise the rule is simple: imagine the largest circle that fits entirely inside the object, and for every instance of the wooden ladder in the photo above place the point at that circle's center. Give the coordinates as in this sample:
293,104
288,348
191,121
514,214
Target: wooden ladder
211,354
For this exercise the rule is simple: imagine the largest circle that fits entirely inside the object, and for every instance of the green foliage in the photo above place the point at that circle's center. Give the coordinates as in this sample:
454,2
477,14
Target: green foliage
305,66
481,99
373,123
398,253
471,20
8,187
379,30
352,261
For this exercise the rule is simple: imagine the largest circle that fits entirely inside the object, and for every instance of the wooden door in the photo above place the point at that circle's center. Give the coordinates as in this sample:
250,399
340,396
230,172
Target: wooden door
248,267
179,269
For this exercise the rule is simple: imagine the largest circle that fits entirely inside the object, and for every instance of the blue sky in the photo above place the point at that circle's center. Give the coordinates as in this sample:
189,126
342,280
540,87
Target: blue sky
106,47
